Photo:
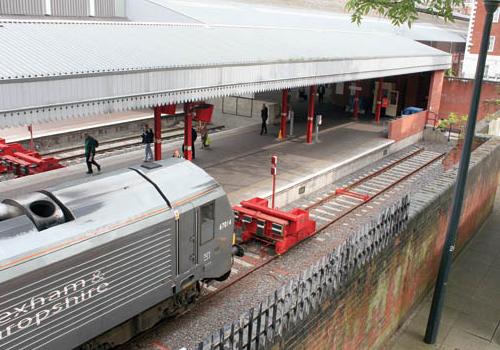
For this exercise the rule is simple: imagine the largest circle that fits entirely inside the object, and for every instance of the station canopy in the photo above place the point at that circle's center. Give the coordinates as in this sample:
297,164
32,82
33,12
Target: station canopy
223,12
55,69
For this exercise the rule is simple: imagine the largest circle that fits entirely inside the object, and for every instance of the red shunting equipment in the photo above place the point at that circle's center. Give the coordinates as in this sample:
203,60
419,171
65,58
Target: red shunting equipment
346,192
203,112
255,220
15,159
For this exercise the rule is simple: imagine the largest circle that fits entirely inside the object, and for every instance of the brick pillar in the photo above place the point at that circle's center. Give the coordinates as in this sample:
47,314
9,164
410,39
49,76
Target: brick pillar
284,112
435,91
310,114
188,136
157,132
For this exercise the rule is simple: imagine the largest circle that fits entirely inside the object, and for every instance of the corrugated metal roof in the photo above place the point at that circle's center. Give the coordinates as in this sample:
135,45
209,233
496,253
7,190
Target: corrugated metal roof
34,50
230,13
53,69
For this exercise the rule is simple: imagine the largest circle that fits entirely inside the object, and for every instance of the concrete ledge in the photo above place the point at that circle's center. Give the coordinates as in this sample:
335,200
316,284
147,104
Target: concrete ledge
314,182
291,192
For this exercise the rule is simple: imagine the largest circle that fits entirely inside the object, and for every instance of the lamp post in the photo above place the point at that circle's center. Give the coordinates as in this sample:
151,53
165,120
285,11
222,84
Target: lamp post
451,234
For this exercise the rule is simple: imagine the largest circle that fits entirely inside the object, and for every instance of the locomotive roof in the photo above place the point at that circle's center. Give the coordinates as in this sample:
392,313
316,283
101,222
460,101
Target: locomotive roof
103,205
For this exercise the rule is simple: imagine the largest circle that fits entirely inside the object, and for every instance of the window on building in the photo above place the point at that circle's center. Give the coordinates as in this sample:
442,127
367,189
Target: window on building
486,71
492,44
496,15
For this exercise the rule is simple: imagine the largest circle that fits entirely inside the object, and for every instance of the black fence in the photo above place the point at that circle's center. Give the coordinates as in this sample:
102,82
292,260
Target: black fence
264,325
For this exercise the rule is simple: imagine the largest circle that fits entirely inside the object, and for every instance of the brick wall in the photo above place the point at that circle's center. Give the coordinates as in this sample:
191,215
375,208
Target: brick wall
457,94
406,126
435,91
382,294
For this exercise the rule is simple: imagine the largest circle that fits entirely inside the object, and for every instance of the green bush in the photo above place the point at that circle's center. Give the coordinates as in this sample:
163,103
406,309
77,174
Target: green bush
453,121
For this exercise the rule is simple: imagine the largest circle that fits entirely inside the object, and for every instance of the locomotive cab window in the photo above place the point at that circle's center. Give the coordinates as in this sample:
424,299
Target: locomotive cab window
207,222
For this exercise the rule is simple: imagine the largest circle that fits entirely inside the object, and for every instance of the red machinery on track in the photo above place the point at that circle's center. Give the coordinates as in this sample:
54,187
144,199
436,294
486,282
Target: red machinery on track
15,159
256,220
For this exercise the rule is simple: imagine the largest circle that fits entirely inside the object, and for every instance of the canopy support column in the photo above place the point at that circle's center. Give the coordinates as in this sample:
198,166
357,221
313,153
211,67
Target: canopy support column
188,136
378,108
157,132
310,114
284,113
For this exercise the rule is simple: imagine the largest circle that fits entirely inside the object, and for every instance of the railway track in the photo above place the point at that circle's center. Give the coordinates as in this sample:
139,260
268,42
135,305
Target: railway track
124,143
333,206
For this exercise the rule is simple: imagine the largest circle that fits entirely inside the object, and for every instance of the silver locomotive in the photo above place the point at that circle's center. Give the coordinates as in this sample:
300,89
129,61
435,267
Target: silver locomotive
119,251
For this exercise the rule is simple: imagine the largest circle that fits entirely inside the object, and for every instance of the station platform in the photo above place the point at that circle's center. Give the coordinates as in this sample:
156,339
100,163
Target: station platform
471,313
58,127
239,159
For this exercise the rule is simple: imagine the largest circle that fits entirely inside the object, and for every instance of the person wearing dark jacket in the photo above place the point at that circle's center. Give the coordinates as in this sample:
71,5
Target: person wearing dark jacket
194,136
147,140
321,93
264,114
90,146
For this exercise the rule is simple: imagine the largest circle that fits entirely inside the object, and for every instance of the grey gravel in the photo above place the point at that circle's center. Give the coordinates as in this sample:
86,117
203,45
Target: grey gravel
207,317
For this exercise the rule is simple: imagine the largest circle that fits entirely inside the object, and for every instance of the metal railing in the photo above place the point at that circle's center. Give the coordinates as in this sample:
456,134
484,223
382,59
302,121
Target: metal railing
283,310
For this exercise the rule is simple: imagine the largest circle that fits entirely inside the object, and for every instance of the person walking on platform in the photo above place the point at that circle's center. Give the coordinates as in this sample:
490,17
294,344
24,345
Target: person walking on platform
205,143
147,139
90,145
302,93
194,136
264,114
321,93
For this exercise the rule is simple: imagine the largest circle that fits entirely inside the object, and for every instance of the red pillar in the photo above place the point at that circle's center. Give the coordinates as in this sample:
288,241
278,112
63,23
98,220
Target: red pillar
378,108
284,112
310,114
435,91
157,132
188,136
355,109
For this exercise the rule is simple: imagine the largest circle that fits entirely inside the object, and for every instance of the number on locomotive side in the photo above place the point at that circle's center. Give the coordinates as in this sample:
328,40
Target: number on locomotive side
225,224
206,256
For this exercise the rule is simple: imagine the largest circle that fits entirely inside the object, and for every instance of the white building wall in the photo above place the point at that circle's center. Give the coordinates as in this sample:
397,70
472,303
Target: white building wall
492,68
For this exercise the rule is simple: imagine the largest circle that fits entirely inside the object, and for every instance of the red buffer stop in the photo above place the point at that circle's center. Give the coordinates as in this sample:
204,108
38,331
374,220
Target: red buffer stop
15,159
255,220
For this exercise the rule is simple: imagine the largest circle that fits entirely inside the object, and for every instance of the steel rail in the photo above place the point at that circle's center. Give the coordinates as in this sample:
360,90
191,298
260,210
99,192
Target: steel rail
385,189
366,178
344,214
114,148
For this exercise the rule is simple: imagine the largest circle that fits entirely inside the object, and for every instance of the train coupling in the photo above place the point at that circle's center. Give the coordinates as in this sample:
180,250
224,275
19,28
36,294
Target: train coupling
238,250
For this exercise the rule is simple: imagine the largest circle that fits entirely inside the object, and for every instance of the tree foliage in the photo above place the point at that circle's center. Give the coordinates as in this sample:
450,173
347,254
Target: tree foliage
402,11
453,121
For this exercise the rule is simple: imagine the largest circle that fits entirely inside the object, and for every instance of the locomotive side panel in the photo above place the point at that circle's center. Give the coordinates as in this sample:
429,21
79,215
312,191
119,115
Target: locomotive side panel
215,232
74,300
